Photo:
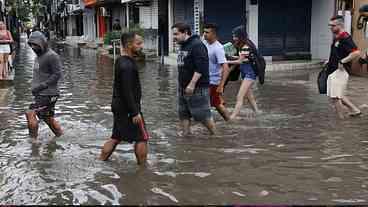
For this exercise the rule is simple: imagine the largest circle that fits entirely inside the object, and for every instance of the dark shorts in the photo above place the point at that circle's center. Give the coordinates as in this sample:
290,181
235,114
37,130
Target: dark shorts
216,98
44,106
196,105
125,130
247,72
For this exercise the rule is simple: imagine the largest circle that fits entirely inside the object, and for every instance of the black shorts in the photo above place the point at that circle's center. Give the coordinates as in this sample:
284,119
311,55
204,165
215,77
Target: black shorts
44,106
125,130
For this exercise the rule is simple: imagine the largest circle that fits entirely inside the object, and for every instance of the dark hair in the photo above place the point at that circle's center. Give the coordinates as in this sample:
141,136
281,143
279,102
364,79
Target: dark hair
211,26
126,38
337,17
183,28
242,34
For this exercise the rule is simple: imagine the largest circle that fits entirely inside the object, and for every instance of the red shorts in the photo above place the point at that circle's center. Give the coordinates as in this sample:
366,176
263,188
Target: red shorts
216,98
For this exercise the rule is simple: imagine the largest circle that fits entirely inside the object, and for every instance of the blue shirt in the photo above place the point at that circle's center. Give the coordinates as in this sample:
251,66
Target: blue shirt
216,56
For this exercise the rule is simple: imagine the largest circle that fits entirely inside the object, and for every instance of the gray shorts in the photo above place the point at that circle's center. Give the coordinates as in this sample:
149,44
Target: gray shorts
196,105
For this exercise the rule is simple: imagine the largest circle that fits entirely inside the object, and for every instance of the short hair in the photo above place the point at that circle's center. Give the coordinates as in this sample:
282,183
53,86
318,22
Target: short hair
339,19
126,38
212,26
183,28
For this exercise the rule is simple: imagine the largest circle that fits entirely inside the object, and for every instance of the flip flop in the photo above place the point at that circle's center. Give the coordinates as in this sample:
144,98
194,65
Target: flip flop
355,114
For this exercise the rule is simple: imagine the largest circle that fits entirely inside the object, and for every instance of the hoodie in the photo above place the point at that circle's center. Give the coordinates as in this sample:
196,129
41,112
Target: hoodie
193,57
47,69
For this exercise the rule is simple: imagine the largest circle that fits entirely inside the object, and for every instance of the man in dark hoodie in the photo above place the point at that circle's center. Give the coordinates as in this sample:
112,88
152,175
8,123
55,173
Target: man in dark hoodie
126,102
193,78
47,71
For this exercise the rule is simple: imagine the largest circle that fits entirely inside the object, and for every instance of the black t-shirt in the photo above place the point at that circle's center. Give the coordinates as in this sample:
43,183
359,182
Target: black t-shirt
193,57
127,88
341,47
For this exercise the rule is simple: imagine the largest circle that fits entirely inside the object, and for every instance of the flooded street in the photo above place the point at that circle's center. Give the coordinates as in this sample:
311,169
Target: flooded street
294,152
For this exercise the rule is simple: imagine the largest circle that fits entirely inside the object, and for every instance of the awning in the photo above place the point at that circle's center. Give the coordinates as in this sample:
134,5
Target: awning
89,3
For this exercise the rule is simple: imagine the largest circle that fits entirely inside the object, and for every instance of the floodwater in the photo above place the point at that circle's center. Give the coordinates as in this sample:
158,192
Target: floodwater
294,152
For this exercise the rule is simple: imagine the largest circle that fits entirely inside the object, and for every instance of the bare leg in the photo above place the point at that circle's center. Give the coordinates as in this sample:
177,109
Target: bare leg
108,149
354,109
185,124
2,71
338,107
5,65
32,124
210,125
223,112
54,126
252,100
141,151
244,88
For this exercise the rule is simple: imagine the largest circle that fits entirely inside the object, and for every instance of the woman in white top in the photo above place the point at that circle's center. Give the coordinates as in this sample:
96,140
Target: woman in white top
5,40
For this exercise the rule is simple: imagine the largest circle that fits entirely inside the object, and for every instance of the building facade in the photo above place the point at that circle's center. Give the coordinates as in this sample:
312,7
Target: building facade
286,29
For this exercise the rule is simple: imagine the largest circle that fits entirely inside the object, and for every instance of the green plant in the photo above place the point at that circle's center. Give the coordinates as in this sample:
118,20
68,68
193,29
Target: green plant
134,28
111,36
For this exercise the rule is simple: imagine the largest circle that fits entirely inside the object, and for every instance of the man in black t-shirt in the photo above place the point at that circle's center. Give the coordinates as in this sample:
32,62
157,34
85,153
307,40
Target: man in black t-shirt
129,125
193,79
343,51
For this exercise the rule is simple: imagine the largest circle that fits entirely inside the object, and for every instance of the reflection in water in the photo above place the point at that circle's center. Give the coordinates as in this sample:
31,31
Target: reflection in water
295,147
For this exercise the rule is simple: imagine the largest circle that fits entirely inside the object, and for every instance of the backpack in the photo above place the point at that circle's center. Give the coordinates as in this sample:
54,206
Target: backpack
259,64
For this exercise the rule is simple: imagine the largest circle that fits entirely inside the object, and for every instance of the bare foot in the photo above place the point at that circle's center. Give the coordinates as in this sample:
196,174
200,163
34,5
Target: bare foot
355,114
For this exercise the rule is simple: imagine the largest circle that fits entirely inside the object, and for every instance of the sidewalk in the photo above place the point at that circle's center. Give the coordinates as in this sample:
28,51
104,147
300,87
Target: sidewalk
270,65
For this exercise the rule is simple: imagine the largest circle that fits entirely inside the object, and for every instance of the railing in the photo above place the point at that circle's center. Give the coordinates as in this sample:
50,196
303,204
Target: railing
115,43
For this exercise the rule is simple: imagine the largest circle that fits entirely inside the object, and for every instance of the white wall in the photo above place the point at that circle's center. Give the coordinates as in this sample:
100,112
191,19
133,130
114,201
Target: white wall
252,24
171,23
148,16
89,25
321,37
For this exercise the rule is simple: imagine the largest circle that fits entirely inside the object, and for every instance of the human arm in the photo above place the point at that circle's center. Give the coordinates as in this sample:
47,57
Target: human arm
191,86
128,84
201,64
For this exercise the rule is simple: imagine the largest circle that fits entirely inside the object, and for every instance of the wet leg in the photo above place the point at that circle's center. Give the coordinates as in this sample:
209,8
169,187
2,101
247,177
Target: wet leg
210,125
54,126
32,122
185,124
244,88
141,151
108,149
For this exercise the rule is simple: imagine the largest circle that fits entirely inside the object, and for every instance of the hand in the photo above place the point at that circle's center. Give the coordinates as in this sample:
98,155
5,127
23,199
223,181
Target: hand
37,89
220,89
325,63
137,119
189,90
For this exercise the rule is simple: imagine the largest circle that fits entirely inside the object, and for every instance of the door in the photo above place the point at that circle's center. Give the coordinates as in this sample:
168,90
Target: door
284,28
163,27
226,15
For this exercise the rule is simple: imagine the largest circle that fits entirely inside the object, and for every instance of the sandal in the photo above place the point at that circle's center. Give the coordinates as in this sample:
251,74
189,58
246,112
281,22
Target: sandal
355,114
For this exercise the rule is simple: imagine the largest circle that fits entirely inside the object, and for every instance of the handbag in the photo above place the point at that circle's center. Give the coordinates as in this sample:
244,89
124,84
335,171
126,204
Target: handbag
322,81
